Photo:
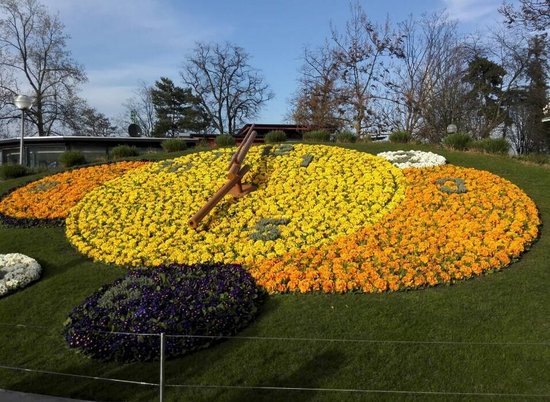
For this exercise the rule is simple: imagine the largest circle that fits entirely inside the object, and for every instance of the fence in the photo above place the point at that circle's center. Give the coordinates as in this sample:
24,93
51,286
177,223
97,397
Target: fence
162,385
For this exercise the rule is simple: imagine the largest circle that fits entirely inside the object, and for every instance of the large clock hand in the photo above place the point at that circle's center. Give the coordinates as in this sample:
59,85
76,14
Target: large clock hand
233,185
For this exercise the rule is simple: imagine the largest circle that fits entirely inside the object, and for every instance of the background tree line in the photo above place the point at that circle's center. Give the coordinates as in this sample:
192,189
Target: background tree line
220,91
421,75
416,76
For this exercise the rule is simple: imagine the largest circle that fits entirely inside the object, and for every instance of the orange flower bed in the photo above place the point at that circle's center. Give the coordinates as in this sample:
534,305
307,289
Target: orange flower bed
437,235
53,196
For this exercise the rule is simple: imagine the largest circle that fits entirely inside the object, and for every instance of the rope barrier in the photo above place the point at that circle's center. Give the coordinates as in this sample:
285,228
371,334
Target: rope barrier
273,388
305,339
347,340
88,377
353,390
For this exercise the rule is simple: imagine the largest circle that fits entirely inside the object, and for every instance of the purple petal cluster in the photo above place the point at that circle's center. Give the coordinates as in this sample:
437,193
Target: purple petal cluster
211,299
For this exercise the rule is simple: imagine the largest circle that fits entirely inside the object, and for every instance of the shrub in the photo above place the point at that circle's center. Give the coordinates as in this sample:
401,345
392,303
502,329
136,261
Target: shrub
275,136
345,137
317,136
123,151
203,144
72,158
457,141
491,145
539,159
174,145
225,140
13,171
203,299
400,137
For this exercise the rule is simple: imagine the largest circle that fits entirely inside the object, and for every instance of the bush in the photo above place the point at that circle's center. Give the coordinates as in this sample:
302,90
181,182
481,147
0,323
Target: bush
123,151
174,145
203,299
13,171
491,146
72,158
275,136
345,137
457,141
225,140
317,136
203,144
400,137
539,159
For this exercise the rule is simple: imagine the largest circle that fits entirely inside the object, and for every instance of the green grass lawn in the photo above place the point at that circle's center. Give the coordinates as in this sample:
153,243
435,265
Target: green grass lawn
488,335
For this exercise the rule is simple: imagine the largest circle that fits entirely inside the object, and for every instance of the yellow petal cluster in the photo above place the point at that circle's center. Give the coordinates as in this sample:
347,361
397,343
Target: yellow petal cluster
141,218
53,196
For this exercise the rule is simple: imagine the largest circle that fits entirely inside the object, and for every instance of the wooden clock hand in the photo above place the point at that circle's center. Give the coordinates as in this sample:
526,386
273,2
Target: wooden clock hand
233,185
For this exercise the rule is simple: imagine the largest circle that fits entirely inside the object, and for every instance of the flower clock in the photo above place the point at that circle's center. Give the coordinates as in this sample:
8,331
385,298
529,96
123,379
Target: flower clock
321,218
17,271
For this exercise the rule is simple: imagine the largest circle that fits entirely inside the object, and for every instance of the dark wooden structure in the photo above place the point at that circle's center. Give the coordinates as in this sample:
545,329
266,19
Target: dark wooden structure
292,131
233,186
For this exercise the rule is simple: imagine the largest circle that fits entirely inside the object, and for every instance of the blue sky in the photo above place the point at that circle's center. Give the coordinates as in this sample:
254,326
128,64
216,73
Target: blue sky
121,43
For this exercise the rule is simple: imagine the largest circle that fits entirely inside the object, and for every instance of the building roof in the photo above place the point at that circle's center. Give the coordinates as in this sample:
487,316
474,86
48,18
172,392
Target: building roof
55,139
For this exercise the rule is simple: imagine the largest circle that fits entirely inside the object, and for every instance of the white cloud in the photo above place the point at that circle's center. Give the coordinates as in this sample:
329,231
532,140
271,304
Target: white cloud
471,10
108,99
134,26
108,89
124,42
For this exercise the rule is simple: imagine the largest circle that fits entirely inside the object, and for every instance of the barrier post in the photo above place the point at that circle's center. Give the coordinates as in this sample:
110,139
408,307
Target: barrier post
161,379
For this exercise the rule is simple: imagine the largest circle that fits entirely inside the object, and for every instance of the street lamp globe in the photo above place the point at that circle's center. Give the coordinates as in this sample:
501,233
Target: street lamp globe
23,103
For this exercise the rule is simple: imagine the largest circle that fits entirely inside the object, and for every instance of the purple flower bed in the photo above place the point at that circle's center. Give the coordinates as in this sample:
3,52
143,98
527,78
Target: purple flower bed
203,299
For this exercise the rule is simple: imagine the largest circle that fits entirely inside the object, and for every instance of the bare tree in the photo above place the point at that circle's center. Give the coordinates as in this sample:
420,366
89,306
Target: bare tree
362,52
33,47
230,89
140,109
428,45
82,119
7,111
446,94
318,102
533,14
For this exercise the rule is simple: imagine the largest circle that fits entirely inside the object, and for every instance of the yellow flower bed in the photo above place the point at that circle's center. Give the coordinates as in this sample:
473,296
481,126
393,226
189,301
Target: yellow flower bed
454,223
307,196
53,196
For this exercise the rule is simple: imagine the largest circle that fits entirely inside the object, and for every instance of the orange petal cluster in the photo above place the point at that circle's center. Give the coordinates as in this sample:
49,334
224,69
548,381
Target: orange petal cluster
53,196
433,237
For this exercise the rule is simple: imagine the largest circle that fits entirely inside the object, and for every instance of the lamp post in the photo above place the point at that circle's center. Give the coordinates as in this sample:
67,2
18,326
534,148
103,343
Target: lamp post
23,103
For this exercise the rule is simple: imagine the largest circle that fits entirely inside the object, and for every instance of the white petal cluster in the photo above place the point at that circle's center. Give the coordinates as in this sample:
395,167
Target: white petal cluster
413,159
17,271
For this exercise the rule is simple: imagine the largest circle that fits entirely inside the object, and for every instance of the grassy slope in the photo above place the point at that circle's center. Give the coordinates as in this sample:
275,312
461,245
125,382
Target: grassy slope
510,306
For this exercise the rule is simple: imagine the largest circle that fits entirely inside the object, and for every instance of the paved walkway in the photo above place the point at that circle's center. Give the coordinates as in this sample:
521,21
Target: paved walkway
13,396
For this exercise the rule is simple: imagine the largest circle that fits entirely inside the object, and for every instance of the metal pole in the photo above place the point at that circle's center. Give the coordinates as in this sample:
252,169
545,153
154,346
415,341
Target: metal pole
22,135
161,379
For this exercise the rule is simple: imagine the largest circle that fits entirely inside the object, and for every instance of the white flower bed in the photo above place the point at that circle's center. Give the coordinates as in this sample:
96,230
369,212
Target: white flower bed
17,271
413,159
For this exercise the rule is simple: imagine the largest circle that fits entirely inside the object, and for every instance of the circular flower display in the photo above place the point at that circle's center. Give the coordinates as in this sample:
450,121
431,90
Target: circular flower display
307,195
52,197
17,271
322,219
413,159
481,223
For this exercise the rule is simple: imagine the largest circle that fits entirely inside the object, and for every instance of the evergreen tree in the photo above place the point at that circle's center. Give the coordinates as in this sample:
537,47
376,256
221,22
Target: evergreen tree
177,110
485,78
